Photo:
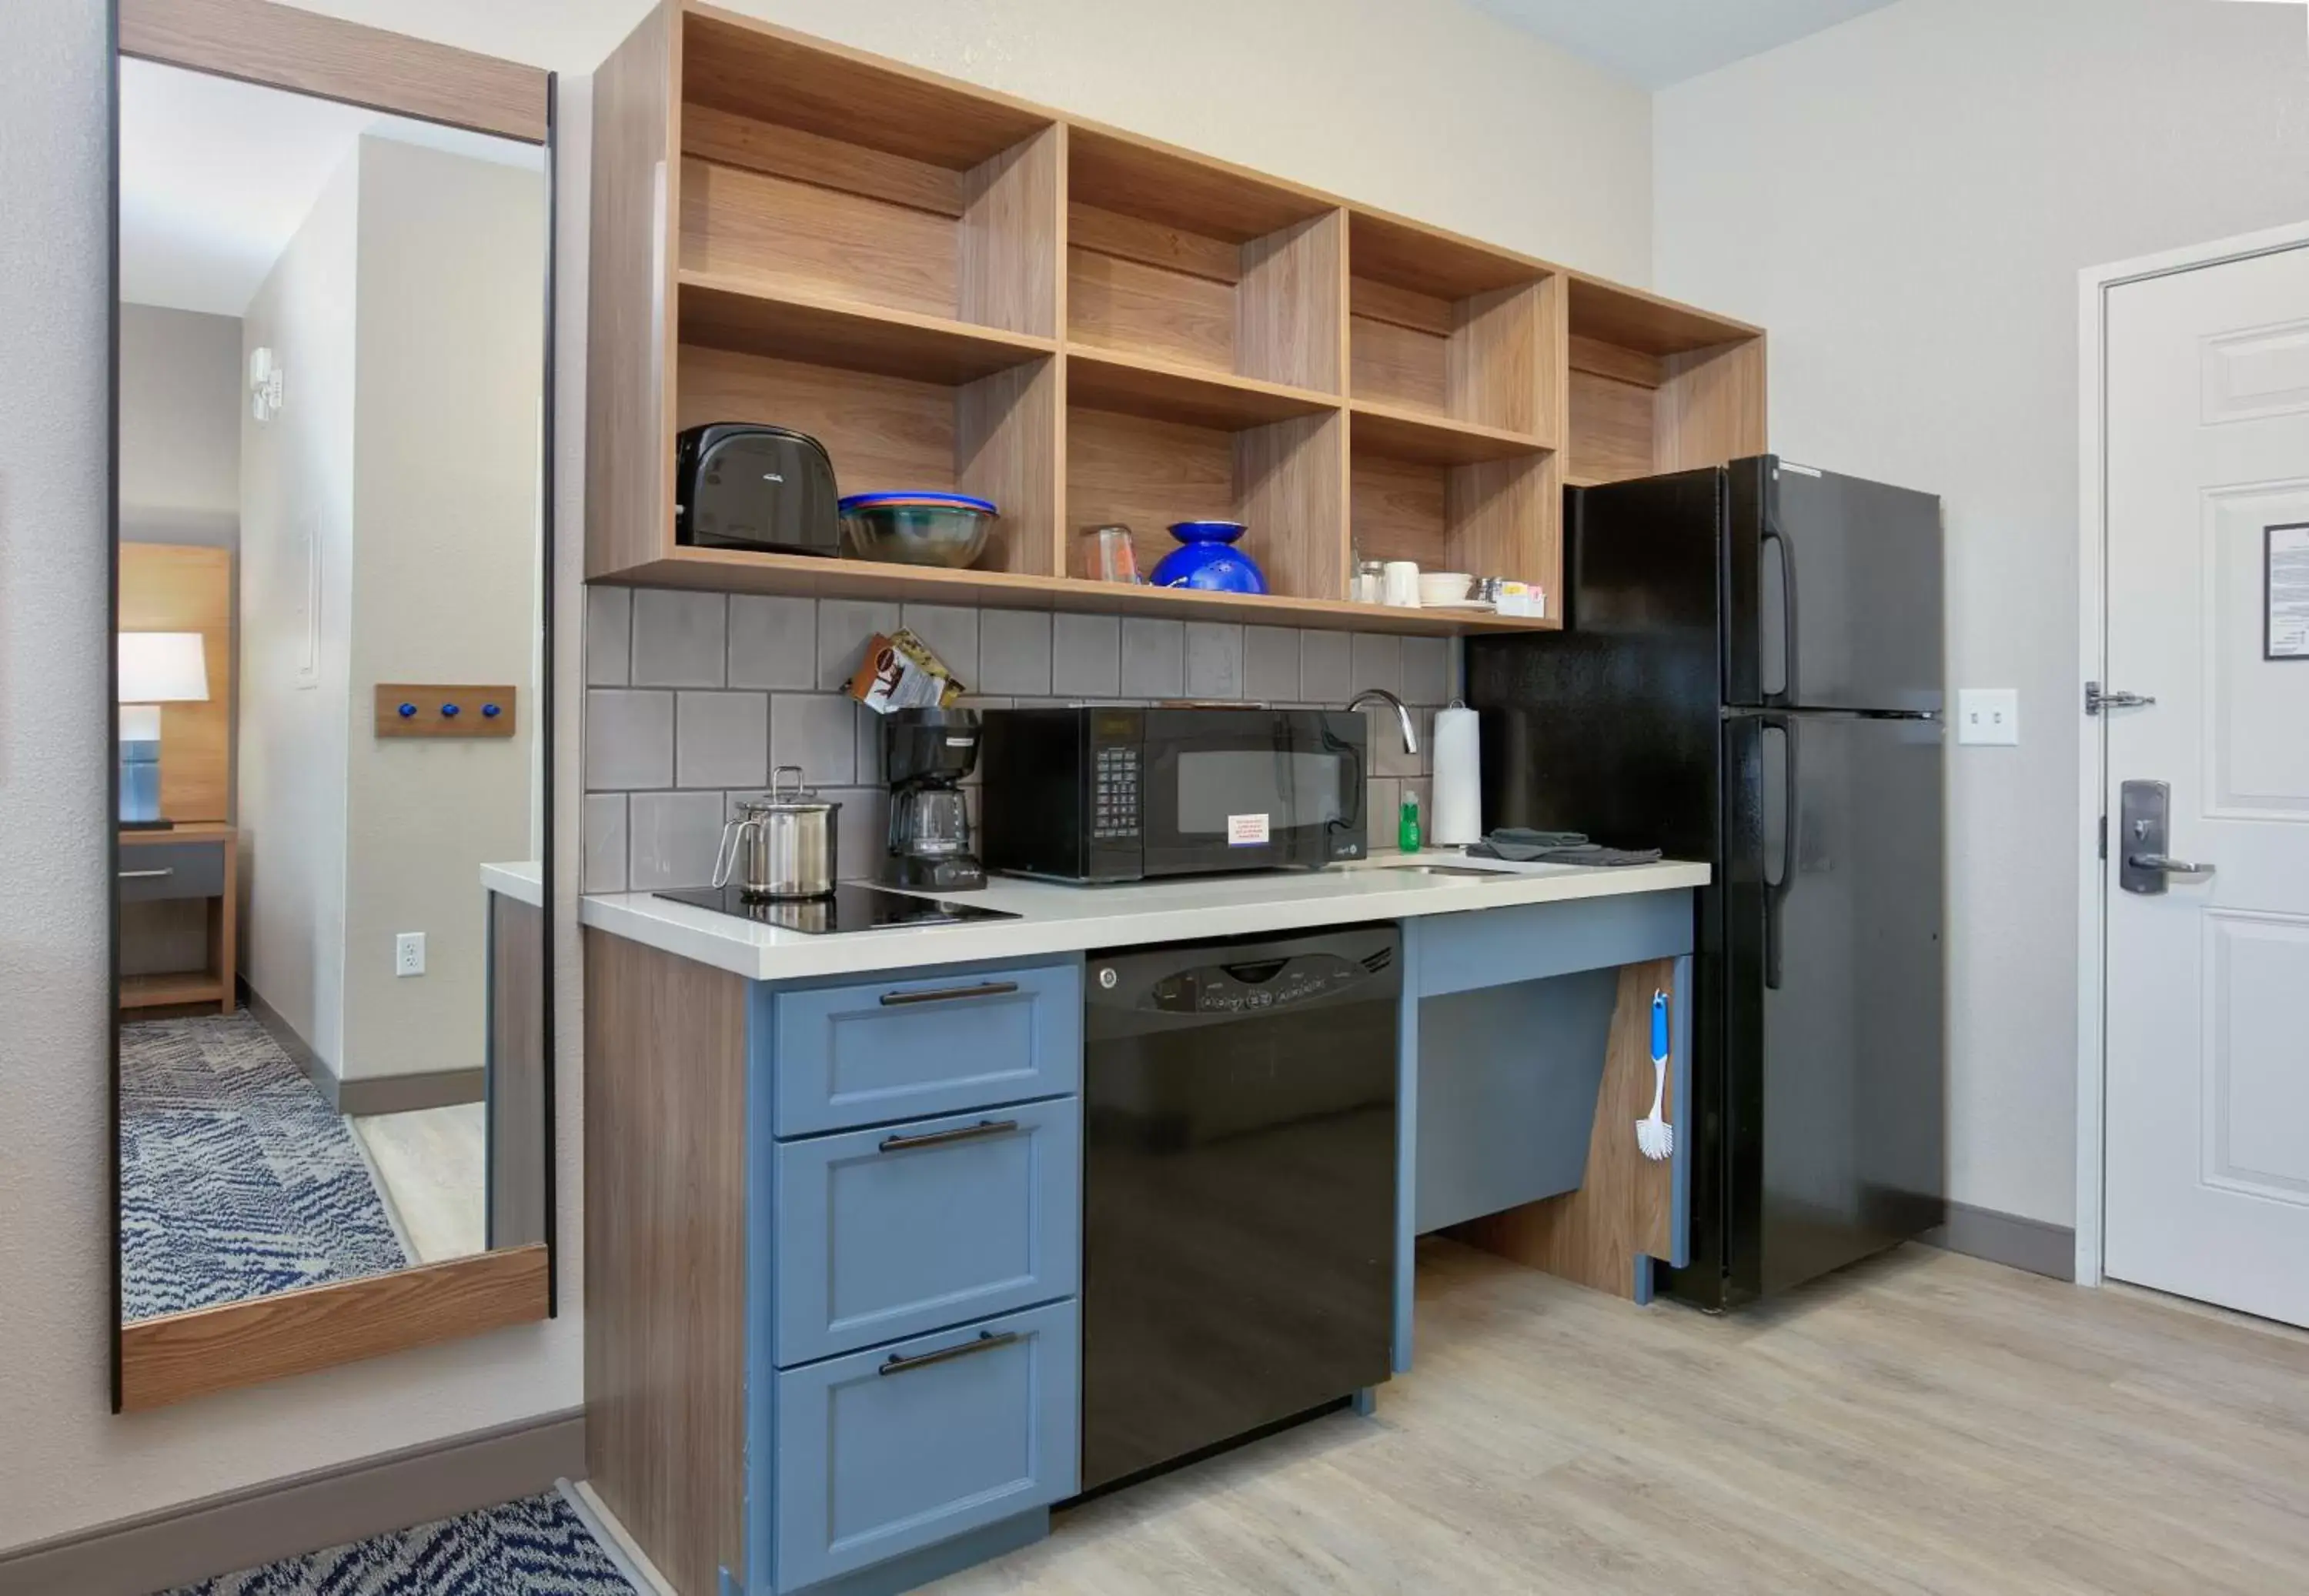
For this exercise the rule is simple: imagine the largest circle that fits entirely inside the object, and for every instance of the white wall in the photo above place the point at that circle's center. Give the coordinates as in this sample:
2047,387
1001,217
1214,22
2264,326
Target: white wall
444,552
1905,201
179,426
296,631
1430,108
66,1462
1495,134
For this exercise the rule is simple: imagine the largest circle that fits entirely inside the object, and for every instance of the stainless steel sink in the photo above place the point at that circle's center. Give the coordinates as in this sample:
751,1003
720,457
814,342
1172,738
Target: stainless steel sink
1445,870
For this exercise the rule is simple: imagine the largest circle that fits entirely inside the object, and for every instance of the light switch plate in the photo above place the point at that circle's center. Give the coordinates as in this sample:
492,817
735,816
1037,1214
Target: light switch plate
1990,715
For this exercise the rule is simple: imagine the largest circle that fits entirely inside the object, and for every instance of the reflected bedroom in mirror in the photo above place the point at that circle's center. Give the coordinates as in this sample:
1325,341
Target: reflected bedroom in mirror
331,654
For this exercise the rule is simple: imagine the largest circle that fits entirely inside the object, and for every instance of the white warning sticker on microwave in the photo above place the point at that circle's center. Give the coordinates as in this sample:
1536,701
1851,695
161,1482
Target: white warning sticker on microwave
1246,831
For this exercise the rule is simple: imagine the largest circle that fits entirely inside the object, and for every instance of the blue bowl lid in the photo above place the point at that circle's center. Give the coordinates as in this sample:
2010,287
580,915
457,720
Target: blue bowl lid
959,501
1222,531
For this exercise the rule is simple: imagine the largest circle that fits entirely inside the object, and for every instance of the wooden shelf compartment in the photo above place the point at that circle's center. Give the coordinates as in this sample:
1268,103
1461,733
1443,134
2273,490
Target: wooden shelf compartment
1441,326
1499,515
994,435
722,313
171,988
1192,262
739,572
1285,479
1658,386
822,174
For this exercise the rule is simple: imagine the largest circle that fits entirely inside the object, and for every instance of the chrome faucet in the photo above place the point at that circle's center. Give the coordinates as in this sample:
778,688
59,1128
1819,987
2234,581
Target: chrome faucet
1402,715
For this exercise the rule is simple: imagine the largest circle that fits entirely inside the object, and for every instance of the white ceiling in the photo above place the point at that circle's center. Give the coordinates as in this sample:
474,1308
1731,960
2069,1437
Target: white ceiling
216,176
1659,42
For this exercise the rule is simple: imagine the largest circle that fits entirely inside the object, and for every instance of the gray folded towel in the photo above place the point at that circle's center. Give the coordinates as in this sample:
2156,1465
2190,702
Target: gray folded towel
1522,846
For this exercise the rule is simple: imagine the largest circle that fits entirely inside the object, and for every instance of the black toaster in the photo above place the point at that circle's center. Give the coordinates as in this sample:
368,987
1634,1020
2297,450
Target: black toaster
742,484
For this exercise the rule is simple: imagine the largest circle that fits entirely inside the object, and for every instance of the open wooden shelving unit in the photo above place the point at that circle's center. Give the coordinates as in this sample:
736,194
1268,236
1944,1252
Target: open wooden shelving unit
952,288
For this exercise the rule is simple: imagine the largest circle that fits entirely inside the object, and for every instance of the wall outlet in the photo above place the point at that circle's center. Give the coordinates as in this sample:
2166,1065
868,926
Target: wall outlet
409,953
1990,715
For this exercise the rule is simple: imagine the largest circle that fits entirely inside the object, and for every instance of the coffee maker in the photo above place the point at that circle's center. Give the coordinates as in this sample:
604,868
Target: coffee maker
926,753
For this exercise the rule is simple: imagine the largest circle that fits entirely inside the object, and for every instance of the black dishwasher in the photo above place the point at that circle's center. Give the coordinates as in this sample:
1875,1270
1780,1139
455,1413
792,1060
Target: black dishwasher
1239,1188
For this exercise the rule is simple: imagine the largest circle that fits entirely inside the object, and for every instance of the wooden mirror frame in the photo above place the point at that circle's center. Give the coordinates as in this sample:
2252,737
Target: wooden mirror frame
169,1359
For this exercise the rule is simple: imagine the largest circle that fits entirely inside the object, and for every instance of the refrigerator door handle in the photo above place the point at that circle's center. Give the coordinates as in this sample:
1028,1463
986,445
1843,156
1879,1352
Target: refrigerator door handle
1776,892
1785,552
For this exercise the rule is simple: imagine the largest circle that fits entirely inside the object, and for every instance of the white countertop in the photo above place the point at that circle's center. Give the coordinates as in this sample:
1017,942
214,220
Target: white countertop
1055,918
525,881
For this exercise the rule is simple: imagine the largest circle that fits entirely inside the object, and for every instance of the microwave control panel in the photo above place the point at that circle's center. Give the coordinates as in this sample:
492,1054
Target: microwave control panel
1114,796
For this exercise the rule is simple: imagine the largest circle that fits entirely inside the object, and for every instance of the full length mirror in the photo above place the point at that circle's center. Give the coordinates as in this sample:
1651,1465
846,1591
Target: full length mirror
332,785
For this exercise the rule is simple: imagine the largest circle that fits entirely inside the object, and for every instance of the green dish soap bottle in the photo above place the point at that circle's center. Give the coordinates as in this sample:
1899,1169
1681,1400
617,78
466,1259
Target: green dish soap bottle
1406,824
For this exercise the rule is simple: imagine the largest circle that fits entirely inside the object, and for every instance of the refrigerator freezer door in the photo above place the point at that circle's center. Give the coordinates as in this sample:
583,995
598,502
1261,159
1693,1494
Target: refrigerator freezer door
1834,1072
1610,727
1834,591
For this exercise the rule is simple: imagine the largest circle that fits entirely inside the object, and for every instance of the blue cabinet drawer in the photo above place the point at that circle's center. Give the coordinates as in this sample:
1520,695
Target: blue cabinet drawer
939,1044
904,1229
884,1451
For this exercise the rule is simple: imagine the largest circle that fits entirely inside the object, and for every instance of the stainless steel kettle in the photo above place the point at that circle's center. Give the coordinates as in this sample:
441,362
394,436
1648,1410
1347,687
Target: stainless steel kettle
782,844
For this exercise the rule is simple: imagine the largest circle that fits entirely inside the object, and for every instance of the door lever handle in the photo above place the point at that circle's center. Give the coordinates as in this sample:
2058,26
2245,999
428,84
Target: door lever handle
2171,867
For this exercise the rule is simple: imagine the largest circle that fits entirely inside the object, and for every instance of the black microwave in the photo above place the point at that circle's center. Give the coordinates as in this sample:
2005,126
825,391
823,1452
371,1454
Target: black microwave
1110,792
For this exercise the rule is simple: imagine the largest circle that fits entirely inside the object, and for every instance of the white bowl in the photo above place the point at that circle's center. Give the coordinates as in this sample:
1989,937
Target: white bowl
1444,587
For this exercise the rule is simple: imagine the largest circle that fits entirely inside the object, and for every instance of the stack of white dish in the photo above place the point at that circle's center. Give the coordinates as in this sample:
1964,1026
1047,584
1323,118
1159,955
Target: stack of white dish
1441,588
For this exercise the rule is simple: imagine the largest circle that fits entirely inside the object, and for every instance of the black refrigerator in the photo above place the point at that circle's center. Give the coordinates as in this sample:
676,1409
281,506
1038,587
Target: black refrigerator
1750,673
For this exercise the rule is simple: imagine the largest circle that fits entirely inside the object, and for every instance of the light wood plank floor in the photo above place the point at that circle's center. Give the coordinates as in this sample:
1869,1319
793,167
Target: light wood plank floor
1923,1423
434,1164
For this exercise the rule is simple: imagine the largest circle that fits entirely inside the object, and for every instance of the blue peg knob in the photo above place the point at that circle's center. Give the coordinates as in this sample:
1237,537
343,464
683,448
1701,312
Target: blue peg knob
448,711
408,711
491,711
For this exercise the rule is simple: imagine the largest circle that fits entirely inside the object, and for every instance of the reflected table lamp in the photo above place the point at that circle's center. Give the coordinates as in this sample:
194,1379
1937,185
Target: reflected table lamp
156,667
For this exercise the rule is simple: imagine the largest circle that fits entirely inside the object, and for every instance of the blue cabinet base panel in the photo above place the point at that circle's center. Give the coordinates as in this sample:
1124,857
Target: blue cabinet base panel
918,1568
1507,1094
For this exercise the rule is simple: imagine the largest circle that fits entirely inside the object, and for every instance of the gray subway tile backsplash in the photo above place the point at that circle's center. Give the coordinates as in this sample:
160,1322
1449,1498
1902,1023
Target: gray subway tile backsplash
1324,673
772,642
1013,651
817,731
1270,664
951,630
661,766
679,638
1086,655
672,837
1375,659
1153,658
1214,660
1426,671
845,627
608,636
628,739
605,842
720,739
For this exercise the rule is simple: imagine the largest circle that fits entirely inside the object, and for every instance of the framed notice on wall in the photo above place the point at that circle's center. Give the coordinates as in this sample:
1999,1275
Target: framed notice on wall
2285,591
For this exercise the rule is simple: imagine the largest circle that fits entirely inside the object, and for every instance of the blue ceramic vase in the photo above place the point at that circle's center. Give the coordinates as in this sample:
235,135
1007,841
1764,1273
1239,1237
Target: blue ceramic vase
1205,560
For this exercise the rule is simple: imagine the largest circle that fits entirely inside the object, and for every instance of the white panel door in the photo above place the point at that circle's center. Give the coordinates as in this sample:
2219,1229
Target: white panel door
2208,985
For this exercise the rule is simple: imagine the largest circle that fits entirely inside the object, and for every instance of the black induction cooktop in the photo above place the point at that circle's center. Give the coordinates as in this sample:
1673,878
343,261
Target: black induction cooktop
849,908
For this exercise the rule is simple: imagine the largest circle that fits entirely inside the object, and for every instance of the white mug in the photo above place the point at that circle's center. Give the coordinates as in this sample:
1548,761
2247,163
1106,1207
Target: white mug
1399,583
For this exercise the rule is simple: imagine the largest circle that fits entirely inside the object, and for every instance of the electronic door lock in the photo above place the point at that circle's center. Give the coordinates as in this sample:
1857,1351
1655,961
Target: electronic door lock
2144,864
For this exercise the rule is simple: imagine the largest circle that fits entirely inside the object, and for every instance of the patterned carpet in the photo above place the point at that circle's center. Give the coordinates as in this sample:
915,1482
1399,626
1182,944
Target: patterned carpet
237,1178
531,1547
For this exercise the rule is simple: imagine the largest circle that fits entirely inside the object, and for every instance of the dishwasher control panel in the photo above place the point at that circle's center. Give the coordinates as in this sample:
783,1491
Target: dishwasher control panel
1252,985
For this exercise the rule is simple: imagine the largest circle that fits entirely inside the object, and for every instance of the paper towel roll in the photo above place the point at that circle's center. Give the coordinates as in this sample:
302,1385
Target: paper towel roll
1458,817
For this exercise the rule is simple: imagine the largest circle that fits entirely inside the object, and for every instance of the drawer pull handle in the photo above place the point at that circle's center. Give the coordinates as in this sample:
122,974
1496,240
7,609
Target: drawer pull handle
961,1133
165,870
986,1342
949,994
